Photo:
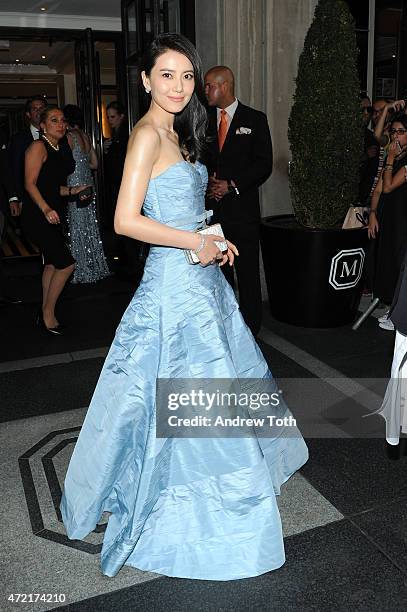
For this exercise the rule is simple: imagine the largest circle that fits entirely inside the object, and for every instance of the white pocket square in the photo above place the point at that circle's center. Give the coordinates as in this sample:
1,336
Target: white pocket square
243,130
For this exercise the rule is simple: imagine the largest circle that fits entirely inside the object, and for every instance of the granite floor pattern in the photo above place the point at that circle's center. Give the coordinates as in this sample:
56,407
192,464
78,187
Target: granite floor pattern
331,568
34,454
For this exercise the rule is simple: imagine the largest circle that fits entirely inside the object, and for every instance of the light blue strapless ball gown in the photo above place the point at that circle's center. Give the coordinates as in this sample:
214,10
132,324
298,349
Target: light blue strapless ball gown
202,508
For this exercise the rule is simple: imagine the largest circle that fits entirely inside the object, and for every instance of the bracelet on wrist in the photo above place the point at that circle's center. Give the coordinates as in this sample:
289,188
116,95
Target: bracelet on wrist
201,245
232,188
373,210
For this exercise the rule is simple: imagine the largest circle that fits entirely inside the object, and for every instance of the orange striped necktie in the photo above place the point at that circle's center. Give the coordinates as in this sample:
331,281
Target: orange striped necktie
223,129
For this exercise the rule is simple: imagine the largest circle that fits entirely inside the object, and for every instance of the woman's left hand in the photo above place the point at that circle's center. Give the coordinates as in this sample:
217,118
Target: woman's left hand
229,255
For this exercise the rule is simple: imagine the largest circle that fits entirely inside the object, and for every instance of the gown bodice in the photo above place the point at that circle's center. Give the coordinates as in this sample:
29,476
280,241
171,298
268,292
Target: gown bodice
176,197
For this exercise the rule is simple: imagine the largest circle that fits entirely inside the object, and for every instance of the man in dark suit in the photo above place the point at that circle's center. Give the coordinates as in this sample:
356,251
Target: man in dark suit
8,204
12,167
240,159
20,142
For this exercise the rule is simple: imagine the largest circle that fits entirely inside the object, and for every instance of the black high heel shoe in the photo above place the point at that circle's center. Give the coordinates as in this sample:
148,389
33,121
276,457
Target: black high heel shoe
56,331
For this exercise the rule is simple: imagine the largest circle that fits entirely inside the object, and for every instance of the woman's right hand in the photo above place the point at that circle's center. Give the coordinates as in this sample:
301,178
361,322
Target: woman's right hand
373,226
396,106
51,216
393,151
211,253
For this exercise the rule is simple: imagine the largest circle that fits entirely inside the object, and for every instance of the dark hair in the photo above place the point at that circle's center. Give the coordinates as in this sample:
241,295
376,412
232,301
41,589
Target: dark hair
47,110
117,106
400,118
190,123
29,102
73,115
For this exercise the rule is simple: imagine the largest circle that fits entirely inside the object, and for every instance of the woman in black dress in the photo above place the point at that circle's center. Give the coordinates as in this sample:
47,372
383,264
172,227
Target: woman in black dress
388,217
47,166
131,252
115,153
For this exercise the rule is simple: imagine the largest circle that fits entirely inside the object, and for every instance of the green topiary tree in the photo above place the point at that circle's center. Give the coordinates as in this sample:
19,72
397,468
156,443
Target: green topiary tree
325,125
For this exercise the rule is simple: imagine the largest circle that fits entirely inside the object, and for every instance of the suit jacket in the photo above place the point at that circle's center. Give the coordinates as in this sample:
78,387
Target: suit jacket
114,162
6,190
7,187
246,158
19,143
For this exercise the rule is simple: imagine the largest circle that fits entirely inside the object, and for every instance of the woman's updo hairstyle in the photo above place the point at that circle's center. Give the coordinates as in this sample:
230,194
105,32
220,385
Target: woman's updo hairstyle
190,123
47,110
73,115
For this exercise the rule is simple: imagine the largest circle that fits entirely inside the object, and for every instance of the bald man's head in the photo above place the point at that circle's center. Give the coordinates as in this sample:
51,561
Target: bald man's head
220,86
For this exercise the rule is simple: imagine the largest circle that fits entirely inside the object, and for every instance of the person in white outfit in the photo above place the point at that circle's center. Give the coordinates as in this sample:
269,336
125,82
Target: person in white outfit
394,407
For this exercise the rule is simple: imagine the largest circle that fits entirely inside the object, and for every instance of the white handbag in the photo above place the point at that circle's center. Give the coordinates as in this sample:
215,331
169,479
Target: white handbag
216,229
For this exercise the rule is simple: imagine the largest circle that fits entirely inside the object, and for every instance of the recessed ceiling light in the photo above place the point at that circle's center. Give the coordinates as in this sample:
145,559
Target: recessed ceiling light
17,60
42,56
43,8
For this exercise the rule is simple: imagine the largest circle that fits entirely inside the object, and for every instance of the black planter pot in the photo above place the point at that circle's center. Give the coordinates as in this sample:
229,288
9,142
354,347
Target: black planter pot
314,277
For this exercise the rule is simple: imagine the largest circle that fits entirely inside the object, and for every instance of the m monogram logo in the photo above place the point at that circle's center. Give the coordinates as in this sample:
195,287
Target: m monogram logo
346,269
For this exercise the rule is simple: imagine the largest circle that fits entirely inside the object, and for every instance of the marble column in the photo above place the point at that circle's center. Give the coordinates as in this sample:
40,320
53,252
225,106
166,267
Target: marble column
286,25
260,40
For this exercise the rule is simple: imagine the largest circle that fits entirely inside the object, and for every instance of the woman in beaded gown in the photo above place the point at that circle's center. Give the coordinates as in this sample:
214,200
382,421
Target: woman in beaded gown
83,226
189,507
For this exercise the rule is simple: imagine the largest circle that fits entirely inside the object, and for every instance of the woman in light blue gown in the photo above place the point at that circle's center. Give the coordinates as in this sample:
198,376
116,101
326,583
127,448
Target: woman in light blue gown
202,508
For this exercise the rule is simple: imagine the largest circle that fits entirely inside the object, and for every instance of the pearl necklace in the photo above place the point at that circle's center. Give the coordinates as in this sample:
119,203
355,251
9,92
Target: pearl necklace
55,147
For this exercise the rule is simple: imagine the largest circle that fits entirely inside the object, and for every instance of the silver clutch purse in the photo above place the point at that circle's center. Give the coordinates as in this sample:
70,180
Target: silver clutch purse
216,229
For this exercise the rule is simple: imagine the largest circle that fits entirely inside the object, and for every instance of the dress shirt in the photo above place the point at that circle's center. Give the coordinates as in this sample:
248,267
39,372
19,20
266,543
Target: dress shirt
230,111
34,131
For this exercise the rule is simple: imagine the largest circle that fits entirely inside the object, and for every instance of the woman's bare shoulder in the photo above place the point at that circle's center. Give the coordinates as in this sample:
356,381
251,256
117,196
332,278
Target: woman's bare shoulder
37,147
80,137
145,129
145,135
